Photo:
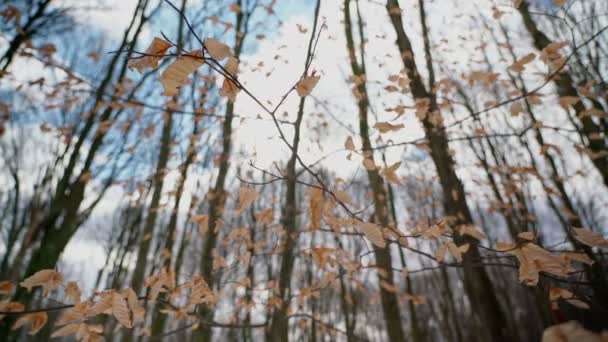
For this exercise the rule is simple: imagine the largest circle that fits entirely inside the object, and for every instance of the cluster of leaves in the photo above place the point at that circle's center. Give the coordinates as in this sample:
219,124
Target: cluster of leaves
123,305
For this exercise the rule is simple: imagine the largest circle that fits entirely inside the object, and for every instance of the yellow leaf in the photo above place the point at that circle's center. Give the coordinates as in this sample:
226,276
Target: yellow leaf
48,279
153,54
590,238
218,50
307,84
246,197
385,127
176,74
37,320
373,232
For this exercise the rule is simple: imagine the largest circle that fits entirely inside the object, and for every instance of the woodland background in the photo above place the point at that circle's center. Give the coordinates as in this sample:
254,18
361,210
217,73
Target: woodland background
374,170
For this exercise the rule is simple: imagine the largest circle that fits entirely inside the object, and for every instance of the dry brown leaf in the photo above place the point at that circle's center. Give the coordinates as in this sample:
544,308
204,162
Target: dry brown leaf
48,279
37,320
530,236
349,144
78,313
66,330
153,54
218,50
441,252
307,84
120,310
570,331
72,291
343,197
8,306
316,205
265,216
390,173
520,64
6,287
534,259
176,74
472,231
137,311
373,232
320,255
385,127
590,238
247,195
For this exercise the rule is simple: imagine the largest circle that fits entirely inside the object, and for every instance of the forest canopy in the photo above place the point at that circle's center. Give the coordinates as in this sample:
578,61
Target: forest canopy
290,170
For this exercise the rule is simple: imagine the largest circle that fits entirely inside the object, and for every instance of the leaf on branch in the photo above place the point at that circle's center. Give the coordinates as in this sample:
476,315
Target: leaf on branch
373,232
217,50
8,306
530,236
570,331
385,127
533,259
78,313
316,205
137,311
37,320
307,84
590,238
343,197
349,144
72,291
247,195
320,255
153,54
66,330
471,230
176,74
265,216
120,310
390,173
520,64
48,279
229,88
6,287
577,256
